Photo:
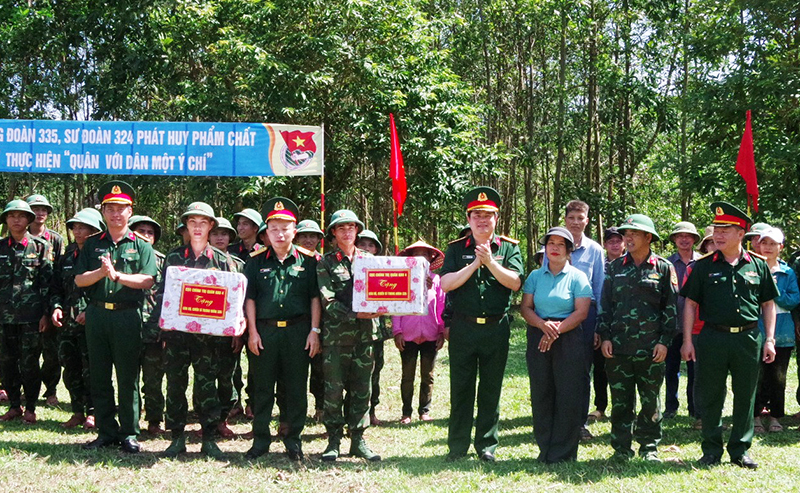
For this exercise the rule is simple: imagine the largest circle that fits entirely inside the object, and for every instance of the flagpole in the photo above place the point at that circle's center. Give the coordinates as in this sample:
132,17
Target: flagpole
396,244
322,195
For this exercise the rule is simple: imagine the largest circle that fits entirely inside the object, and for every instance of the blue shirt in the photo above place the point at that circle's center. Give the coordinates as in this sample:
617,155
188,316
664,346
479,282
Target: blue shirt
589,258
787,300
554,296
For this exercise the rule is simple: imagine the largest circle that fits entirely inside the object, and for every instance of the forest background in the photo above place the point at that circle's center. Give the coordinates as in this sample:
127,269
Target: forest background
630,105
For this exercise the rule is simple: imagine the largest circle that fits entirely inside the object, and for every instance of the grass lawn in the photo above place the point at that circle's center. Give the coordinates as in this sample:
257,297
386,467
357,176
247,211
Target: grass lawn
44,457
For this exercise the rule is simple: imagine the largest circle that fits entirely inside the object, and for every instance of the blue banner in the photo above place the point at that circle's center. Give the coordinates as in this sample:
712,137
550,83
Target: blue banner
160,148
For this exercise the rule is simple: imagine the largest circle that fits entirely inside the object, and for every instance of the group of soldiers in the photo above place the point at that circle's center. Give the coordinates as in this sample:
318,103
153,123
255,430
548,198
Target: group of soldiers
94,309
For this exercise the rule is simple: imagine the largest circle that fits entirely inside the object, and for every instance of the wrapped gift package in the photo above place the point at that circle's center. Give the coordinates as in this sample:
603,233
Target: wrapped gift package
390,285
203,301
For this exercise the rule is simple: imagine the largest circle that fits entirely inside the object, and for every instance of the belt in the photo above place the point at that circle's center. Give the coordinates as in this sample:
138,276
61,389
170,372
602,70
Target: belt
125,305
733,330
553,319
481,320
274,322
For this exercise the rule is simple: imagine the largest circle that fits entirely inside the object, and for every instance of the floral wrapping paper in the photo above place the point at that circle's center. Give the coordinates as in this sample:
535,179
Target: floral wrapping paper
390,285
227,321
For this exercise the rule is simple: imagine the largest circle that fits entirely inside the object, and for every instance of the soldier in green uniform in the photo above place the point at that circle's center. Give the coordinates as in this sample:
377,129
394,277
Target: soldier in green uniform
347,342
480,273
116,267
731,286
152,345
230,349
308,236
26,271
201,351
51,367
368,240
183,233
68,308
283,314
638,320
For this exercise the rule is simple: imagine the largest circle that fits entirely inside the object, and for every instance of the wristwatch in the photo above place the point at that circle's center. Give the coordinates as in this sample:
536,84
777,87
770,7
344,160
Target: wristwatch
316,330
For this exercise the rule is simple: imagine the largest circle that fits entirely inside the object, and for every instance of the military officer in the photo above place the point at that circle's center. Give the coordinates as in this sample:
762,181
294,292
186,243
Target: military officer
638,320
51,367
26,271
68,308
731,286
152,346
480,273
347,341
116,267
201,351
283,317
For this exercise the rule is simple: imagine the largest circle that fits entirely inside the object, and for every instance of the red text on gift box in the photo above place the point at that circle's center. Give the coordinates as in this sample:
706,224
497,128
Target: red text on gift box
198,300
388,284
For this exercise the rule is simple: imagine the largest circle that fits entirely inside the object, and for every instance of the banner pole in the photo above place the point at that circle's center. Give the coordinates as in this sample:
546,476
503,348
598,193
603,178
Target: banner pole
396,244
322,195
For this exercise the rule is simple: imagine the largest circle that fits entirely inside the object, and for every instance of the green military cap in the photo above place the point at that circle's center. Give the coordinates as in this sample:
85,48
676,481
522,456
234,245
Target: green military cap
180,229
482,199
116,192
223,223
726,214
88,216
261,228
756,230
309,226
134,220
280,208
464,231
639,222
685,227
344,216
37,199
17,205
199,209
371,236
250,214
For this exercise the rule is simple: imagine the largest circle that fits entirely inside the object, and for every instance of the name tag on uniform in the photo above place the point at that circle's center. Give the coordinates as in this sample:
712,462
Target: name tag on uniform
299,268
468,257
620,275
715,274
100,250
264,271
3,256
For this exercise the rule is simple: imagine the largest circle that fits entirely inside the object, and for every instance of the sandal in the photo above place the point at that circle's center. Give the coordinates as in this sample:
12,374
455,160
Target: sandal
774,426
405,420
425,417
758,426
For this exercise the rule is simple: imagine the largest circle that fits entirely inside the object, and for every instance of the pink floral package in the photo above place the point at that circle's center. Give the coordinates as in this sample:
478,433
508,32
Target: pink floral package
390,285
203,301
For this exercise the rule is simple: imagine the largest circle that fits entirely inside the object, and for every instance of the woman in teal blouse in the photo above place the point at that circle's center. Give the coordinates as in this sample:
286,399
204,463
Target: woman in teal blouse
555,301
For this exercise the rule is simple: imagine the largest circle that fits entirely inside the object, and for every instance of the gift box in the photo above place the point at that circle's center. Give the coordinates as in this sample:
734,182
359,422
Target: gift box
390,285
203,301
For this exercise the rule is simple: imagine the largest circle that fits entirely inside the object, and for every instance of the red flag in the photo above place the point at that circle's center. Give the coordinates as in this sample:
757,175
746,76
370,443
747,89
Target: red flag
397,172
746,164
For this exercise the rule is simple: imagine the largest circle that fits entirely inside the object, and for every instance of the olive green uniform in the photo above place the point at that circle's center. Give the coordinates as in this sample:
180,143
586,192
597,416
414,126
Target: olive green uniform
730,298
243,253
283,292
72,349
347,347
153,358
478,343
228,363
114,330
638,310
26,272
51,364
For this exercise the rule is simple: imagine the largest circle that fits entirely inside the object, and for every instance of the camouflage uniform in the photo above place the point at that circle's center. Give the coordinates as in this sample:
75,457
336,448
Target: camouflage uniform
153,358
201,351
243,253
229,363
26,272
347,346
638,311
72,349
51,365
283,292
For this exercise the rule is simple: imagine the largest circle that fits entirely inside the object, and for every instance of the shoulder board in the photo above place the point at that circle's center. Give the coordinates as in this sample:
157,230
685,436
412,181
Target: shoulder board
141,236
458,239
757,255
159,254
307,253
258,251
95,234
706,255
510,240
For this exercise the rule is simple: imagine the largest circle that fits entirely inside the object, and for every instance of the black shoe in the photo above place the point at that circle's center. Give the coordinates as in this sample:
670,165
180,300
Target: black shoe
585,434
452,456
100,442
708,460
488,457
255,452
295,454
669,414
746,462
130,445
